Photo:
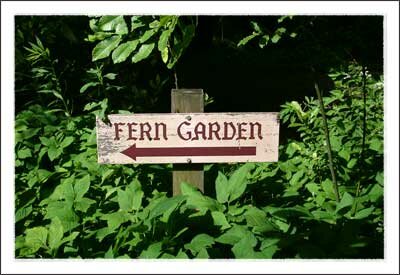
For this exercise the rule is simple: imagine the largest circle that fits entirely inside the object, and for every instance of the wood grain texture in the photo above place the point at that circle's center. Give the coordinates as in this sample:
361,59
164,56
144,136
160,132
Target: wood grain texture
187,101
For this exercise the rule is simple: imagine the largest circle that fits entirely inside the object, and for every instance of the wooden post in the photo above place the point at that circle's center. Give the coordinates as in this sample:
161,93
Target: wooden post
187,101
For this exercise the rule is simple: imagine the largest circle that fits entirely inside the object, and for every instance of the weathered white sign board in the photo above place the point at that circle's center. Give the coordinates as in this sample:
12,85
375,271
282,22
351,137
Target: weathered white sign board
188,138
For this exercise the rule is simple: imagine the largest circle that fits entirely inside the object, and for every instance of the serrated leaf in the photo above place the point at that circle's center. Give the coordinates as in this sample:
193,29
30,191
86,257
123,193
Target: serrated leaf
144,51
122,52
104,48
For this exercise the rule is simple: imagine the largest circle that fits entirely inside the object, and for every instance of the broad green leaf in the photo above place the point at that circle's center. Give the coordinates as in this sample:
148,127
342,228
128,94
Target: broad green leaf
258,219
66,142
36,238
345,203
220,220
375,193
83,204
144,51
222,188
22,213
152,252
376,145
345,153
54,152
113,23
238,181
166,205
114,220
110,76
104,48
24,153
196,200
233,235
364,213
123,51
56,233
203,254
244,248
109,254
199,242
81,186
327,186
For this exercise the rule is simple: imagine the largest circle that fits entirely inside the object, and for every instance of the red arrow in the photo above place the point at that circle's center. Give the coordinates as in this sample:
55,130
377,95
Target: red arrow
134,152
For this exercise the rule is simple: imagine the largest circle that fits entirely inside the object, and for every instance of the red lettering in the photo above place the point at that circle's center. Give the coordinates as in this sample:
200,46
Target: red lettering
117,129
200,129
188,133
240,130
252,130
131,130
215,131
226,124
164,130
143,131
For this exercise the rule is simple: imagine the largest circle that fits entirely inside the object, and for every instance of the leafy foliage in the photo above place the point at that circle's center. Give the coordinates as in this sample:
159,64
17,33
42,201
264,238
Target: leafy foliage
66,202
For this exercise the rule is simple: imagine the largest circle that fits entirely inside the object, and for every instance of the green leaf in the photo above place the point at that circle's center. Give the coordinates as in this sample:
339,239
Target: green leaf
364,213
244,248
345,153
123,51
164,55
163,41
22,213
144,51
351,163
222,188
258,219
152,252
199,242
83,204
35,238
238,181
113,23
233,235
81,187
54,152
24,153
131,198
88,85
220,220
196,200
56,233
114,220
66,142
110,76
165,206
246,40
345,203
136,22
104,48
147,35
376,145
275,38
327,186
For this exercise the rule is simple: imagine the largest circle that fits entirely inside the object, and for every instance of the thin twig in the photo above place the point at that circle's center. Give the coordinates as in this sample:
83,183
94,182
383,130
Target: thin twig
328,143
364,91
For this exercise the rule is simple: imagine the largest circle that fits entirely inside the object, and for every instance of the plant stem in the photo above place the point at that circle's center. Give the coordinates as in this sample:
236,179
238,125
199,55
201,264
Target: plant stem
364,91
328,143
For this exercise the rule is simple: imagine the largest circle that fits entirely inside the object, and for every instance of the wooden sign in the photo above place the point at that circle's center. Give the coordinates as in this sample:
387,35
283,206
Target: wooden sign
188,138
